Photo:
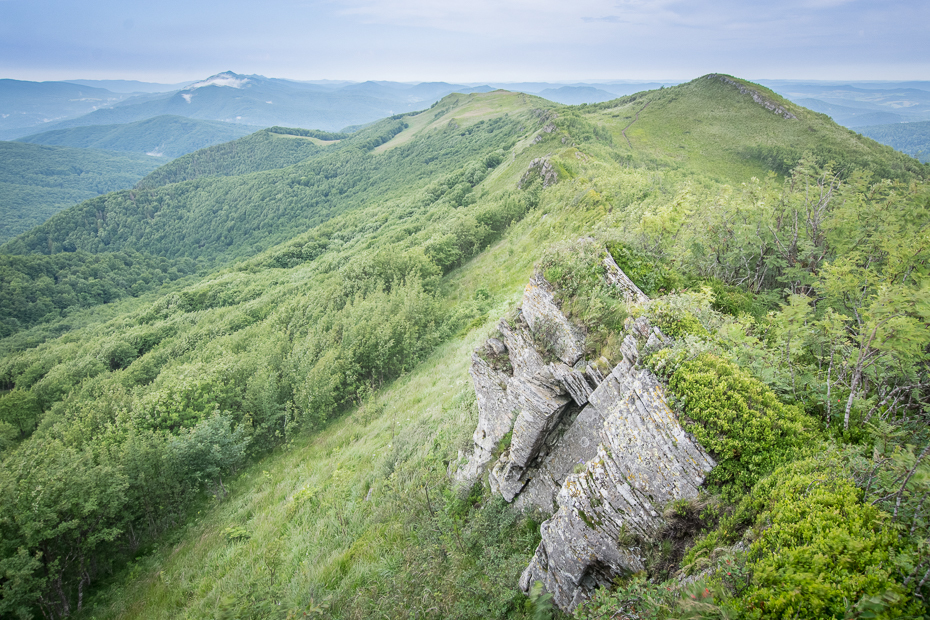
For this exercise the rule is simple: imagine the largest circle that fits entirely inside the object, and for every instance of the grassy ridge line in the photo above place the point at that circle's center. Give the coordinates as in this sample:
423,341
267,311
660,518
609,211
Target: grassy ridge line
594,192
692,125
354,545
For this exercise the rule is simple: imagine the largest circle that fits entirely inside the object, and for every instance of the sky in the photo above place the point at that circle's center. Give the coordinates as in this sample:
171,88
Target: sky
477,41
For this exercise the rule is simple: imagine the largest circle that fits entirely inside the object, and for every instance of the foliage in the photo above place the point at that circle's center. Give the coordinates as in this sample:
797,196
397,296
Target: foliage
35,288
816,550
739,420
577,273
39,181
911,138
653,276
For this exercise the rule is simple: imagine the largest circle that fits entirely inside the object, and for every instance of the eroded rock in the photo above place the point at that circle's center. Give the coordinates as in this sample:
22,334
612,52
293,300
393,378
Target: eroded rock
594,443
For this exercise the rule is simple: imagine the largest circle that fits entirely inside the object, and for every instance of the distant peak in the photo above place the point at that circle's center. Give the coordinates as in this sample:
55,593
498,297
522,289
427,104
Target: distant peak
227,78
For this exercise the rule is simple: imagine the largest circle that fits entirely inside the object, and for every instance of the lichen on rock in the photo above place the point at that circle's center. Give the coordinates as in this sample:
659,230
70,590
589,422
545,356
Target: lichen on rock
563,413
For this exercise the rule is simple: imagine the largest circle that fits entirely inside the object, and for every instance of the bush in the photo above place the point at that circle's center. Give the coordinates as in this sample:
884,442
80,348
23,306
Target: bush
651,275
739,420
817,551
577,273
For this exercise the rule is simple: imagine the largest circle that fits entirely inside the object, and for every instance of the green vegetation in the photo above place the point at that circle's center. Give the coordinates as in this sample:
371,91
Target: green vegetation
262,150
35,288
577,271
272,434
39,181
910,138
161,136
739,420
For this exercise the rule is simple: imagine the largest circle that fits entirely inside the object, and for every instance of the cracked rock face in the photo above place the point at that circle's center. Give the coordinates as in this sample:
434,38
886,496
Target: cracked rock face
596,445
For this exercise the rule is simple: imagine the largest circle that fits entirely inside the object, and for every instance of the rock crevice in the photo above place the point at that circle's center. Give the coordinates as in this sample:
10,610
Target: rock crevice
595,444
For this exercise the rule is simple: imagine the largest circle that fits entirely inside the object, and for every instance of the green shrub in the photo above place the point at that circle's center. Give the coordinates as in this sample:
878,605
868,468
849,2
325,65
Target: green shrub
577,273
739,420
674,321
817,551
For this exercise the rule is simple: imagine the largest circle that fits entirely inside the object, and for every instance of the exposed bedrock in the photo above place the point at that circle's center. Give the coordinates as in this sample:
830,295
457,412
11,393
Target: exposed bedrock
593,443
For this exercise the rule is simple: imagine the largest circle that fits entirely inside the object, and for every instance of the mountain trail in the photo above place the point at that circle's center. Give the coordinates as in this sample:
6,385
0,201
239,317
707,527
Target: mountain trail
635,118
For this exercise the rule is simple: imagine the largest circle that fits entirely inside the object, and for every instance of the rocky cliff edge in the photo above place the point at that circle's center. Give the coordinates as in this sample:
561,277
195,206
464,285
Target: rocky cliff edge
591,442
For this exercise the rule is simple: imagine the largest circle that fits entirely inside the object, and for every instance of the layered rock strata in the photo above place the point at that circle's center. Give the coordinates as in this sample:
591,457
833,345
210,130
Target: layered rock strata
596,445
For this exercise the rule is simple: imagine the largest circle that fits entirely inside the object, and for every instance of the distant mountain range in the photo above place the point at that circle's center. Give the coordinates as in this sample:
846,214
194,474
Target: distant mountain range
24,105
29,108
227,97
861,103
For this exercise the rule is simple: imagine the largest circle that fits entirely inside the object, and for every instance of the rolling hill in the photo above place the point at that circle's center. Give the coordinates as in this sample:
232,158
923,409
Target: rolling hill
38,181
911,138
266,416
160,136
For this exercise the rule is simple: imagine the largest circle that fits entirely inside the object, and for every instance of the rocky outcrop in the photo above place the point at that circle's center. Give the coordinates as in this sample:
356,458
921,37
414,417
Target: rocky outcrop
768,104
542,167
594,443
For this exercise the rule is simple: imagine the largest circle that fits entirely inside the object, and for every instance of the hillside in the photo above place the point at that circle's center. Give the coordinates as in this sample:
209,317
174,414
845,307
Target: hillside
279,435
276,147
161,136
38,181
910,138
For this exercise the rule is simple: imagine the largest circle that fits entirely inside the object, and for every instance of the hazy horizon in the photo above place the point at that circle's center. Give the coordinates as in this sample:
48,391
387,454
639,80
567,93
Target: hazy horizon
419,40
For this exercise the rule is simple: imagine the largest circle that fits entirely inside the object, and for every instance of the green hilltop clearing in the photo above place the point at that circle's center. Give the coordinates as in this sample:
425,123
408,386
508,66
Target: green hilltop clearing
237,391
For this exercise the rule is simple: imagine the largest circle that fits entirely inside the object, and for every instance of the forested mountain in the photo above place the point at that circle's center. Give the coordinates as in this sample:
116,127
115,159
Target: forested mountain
275,431
38,181
910,138
160,136
275,147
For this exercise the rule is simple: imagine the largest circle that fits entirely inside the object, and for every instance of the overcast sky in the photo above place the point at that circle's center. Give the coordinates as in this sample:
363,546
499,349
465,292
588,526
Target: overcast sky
466,41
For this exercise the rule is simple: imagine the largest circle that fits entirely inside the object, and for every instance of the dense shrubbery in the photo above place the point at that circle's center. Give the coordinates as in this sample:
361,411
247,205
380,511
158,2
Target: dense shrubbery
37,288
739,421
577,273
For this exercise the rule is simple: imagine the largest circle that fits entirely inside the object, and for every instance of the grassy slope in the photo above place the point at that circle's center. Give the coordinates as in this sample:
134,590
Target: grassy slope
336,542
340,543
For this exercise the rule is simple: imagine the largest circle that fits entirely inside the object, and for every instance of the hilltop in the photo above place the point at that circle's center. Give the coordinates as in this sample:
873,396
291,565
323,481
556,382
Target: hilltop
260,409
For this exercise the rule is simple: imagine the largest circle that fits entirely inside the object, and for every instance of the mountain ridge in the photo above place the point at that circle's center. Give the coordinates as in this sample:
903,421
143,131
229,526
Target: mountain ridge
276,432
